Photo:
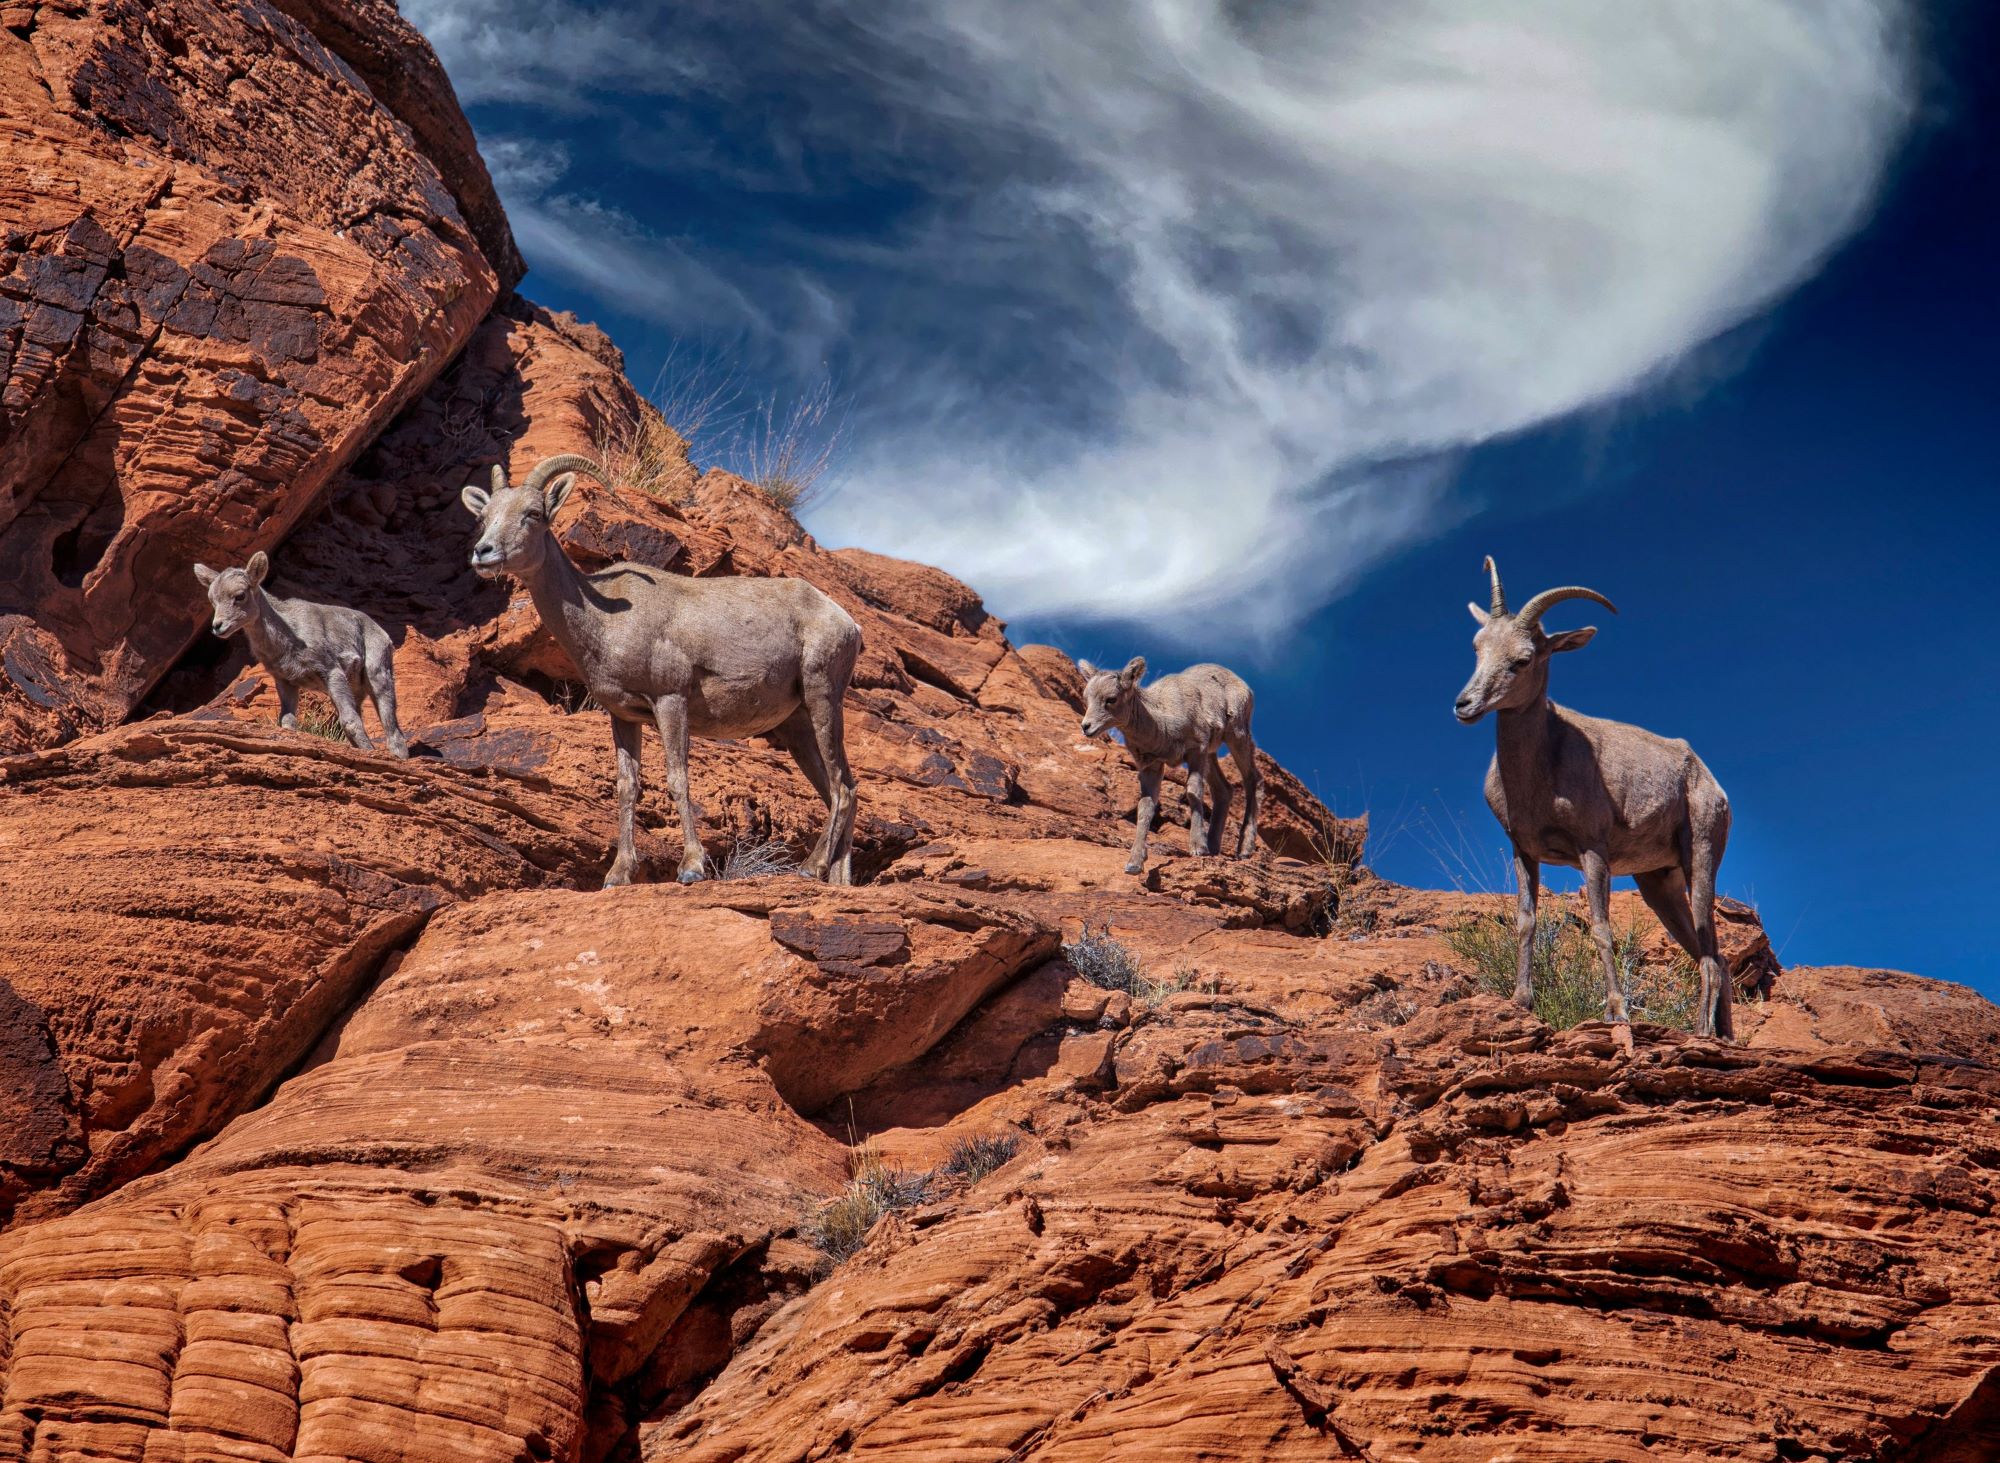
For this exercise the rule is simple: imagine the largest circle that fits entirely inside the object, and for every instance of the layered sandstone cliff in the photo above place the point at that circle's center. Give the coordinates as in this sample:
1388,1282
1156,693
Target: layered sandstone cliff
343,1116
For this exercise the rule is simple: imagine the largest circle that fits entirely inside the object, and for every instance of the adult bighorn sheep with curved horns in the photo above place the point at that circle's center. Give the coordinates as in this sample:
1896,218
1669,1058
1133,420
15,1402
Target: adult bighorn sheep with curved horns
702,657
1596,795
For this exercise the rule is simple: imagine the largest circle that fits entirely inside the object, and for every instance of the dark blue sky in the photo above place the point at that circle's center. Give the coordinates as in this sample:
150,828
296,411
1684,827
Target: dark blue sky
1798,522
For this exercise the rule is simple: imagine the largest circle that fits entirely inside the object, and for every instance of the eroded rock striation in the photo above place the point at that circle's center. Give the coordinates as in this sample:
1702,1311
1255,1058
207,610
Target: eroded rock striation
344,1116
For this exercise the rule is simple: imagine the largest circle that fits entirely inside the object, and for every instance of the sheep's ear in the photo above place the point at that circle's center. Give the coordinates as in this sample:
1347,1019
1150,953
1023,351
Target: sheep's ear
205,574
1479,616
1571,639
257,568
557,492
1086,669
1134,668
474,499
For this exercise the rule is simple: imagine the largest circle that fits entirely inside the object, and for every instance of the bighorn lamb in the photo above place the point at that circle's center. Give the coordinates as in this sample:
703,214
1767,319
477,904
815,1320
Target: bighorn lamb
1186,718
297,641
702,657
1596,795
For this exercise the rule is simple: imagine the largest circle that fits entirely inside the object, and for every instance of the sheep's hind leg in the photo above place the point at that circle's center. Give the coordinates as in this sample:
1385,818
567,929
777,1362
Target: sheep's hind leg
1718,989
823,693
1219,792
795,735
1666,894
382,691
671,712
340,691
288,703
625,740
1527,885
1597,880
1243,752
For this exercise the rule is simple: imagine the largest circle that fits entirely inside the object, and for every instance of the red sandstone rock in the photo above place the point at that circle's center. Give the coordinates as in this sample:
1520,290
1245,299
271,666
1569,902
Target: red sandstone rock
401,1141
225,263
189,904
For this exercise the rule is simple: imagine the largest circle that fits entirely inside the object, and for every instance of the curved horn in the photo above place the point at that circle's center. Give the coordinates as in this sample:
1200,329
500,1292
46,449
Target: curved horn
498,477
1531,613
548,467
1499,594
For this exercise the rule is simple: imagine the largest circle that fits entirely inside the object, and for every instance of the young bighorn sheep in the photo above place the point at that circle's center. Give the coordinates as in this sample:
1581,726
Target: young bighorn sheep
299,641
1596,795
700,657
1185,717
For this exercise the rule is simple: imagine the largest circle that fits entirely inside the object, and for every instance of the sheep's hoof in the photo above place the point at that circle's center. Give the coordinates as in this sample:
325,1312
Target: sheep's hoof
1137,866
691,876
617,878
1617,1015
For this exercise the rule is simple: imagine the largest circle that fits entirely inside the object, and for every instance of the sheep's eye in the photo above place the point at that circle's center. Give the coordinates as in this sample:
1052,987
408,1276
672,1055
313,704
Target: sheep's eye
1524,662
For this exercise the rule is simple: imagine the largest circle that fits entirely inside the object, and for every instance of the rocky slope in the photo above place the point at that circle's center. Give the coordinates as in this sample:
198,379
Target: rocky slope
343,1116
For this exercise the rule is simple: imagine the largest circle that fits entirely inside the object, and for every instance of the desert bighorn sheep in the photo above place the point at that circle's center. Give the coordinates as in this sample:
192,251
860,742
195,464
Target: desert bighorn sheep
299,641
702,657
1596,795
1185,717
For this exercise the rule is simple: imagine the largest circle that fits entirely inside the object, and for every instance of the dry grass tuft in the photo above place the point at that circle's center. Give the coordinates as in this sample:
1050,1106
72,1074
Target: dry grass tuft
752,858
649,456
971,1159
1109,965
787,453
317,718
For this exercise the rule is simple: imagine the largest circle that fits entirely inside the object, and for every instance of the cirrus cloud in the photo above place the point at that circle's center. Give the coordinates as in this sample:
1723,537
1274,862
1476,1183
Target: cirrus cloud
1183,309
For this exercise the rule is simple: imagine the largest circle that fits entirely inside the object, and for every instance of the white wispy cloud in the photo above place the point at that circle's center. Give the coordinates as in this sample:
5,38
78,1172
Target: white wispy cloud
1202,295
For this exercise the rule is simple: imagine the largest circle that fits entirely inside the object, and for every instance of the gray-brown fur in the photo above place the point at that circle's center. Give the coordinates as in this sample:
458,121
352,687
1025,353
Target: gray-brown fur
1186,718
1596,795
694,657
302,643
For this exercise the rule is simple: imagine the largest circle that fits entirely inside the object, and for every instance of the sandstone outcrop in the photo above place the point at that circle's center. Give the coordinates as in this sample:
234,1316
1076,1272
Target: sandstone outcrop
225,264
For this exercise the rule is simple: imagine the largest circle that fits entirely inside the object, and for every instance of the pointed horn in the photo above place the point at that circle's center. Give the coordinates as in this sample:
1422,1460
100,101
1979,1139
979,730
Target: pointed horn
1531,613
498,477
549,467
1499,594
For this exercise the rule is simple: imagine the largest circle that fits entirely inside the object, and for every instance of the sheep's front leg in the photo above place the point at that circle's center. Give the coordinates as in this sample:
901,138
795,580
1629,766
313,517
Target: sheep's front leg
671,712
1527,884
1597,882
625,737
341,694
288,703
1149,804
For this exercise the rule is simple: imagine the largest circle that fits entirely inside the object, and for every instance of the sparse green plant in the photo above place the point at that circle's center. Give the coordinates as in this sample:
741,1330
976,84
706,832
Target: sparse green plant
971,1159
1568,980
751,858
841,1226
